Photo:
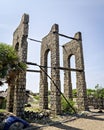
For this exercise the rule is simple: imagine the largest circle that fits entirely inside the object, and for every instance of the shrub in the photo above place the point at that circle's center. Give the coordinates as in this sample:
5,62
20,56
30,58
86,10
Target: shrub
65,106
36,97
3,105
9,62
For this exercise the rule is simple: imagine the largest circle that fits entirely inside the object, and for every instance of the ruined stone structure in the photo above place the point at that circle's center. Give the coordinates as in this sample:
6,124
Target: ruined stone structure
16,90
97,103
50,43
74,47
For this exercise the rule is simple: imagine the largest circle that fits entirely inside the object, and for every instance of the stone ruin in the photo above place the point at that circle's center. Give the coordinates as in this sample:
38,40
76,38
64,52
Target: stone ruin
97,103
16,90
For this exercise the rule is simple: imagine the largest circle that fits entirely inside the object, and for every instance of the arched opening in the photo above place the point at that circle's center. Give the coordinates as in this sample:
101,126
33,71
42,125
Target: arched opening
47,63
50,42
49,73
49,69
73,76
17,47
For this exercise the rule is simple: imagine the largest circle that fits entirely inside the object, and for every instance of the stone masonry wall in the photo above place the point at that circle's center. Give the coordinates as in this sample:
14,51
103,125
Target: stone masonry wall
97,103
50,43
16,90
74,47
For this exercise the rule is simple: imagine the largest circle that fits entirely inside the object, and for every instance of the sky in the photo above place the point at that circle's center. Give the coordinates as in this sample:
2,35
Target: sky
72,16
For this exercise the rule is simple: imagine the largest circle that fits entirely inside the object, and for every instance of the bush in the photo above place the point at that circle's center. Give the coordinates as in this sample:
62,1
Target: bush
36,97
9,63
3,105
65,106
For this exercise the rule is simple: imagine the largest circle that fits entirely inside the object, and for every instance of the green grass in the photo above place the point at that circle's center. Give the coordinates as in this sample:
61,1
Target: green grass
2,110
36,97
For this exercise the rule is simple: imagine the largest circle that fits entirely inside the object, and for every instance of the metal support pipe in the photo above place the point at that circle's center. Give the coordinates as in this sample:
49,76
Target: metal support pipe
58,90
38,71
34,40
61,68
41,67
70,69
67,36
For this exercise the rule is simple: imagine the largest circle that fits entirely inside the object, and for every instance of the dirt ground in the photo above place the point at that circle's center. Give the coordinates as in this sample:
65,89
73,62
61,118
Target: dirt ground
87,120
90,121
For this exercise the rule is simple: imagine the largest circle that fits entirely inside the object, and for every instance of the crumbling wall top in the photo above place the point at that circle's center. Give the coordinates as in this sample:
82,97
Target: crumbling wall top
22,29
55,28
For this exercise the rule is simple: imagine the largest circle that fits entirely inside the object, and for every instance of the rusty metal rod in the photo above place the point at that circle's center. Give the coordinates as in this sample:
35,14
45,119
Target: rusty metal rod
30,63
67,36
70,69
61,68
34,40
38,71
58,89
41,67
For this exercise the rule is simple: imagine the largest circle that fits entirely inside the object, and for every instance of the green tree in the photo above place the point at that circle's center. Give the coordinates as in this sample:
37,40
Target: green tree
9,62
90,92
65,106
99,91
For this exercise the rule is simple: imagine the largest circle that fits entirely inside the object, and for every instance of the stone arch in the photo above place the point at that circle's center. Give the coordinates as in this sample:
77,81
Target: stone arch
71,62
74,47
50,43
67,64
46,57
16,90
17,47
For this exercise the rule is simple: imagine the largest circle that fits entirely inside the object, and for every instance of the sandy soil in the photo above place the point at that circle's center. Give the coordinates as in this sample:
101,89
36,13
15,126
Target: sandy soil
91,121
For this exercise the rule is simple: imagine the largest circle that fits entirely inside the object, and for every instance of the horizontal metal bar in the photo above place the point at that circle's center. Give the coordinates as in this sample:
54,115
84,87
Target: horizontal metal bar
34,40
38,71
61,68
70,69
30,63
67,36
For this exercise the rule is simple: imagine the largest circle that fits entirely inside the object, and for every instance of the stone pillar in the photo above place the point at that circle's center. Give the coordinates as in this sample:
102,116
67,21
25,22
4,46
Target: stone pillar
50,43
74,47
67,77
10,98
10,92
20,44
19,95
80,76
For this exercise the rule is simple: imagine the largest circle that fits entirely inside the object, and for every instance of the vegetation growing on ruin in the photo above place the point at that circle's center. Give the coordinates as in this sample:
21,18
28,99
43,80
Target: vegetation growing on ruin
9,62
